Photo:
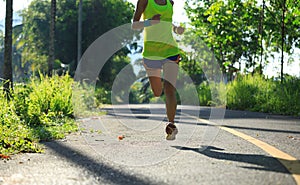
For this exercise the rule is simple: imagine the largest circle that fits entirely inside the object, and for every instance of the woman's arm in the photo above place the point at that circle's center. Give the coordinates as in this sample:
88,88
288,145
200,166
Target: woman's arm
177,29
140,8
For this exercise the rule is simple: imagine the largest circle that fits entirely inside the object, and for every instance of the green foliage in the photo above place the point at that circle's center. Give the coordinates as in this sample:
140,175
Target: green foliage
265,95
87,100
254,93
228,28
219,94
242,92
277,11
44,99
204,94
36,21
238,30
286,96
212,94
192,67
17,138
102,96
41,109
50,99
140,94
112,68
98,17
189,95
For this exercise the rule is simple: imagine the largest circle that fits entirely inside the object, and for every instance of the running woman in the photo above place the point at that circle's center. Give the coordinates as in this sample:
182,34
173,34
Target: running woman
160,52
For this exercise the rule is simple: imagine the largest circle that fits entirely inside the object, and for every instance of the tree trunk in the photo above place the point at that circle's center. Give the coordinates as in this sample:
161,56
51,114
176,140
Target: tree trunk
52,38
282,38
261,37
7,69
79,33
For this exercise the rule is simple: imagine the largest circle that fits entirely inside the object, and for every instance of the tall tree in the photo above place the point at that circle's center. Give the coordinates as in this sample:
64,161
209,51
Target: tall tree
283,9
52,38
261,32
1,53
7,69
228,28
282,26
36,19
19,70
98,17
236,30
79,34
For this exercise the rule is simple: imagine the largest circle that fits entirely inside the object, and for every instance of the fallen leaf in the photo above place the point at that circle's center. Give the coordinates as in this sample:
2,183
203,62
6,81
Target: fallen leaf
120,137
2,156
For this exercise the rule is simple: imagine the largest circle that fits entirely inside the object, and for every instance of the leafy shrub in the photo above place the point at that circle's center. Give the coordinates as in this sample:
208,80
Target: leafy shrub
87,100
20,100
204,94
15,137
50,98
254,93
189,95
135,95
241,93
286,96
265,95
41,109
102,96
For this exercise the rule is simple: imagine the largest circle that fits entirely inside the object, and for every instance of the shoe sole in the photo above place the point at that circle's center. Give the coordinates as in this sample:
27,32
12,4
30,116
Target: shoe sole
171,131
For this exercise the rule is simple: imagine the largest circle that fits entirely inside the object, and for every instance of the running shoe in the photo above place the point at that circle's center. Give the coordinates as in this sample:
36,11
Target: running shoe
171,131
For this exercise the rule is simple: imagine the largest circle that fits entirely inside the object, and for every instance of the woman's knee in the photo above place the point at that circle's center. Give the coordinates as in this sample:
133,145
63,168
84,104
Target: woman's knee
157,93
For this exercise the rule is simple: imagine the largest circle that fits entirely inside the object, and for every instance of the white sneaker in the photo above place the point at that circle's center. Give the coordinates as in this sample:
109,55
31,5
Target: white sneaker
171,131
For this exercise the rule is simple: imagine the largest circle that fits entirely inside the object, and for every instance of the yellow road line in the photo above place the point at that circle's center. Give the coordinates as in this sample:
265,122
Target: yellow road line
288,161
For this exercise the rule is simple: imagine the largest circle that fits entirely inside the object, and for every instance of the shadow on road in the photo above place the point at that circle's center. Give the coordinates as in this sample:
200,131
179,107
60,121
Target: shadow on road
206,111
99,170
142,113
259,162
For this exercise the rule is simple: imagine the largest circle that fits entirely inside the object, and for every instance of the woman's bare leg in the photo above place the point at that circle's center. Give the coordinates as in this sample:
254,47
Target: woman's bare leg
170,70
156,85
171,102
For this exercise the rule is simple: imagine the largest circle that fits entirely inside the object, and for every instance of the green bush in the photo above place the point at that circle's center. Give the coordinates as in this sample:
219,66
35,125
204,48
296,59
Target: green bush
15,136
204,94
135,95
256,93
212,94
102,96
41,109
286,96
87,101
189,95
218,94
49,99
241,92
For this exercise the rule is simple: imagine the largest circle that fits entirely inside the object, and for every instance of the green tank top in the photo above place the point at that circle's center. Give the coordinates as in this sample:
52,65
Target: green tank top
158,39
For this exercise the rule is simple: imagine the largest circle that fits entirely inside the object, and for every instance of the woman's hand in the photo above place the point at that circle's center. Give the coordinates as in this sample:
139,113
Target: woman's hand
179,30
155,19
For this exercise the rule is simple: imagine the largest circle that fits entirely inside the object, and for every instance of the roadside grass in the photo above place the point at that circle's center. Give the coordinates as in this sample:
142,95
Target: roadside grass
43,109
246,92
255,93
40,110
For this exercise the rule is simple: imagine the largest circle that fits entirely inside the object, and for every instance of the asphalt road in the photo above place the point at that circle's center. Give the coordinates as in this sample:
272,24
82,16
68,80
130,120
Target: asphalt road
203,153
